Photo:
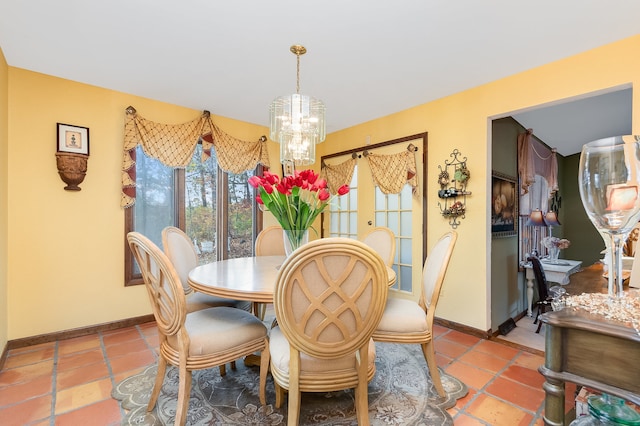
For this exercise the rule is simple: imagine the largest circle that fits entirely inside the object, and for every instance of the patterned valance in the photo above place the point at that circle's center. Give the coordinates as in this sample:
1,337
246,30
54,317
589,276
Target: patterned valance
389,172
338,174
173,145
392,172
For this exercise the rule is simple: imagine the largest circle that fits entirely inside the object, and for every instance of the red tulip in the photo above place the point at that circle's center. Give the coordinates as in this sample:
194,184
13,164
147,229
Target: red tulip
255,181
344,189
273,179
323,195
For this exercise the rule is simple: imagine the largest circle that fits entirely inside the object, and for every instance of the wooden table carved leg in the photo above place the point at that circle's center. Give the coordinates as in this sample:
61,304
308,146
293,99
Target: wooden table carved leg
554,402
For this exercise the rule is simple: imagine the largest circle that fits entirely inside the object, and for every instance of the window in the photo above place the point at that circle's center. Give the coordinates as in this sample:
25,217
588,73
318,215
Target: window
216,209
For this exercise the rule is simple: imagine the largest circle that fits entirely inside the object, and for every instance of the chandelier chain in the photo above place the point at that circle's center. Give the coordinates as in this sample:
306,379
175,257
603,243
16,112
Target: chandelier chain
298,75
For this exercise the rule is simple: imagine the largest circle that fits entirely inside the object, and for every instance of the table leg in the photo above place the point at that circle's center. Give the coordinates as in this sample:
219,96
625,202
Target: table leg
529,296
554,402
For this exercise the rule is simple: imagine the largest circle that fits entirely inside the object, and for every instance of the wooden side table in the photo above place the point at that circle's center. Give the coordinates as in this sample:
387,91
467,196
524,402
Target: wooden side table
588,350
554,272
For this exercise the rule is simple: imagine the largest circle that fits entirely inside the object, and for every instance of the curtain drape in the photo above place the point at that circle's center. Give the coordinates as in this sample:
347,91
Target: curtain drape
173,145
534,158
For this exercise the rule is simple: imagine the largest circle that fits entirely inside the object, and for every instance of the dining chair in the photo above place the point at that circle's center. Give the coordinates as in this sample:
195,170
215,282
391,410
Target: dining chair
182,253
197,340
329,297
407,321
544,298
270,242
383,241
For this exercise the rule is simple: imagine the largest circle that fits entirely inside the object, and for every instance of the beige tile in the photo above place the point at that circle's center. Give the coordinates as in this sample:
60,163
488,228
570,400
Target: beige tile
80,396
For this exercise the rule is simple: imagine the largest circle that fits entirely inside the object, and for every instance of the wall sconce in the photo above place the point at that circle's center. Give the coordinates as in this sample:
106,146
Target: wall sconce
72,155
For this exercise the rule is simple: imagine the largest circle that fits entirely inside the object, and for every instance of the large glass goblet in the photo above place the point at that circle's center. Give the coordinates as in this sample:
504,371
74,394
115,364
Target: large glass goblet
609,182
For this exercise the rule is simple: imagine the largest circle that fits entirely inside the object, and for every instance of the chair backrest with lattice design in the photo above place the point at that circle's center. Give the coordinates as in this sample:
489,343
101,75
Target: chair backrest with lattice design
329,297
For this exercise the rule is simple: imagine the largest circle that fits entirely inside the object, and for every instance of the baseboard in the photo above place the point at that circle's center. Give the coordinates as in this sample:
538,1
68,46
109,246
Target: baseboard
3,357
462,328
76,332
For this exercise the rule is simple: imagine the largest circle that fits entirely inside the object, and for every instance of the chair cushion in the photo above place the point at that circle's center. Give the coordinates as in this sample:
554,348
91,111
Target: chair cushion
280,352
220,329
197,301
403,316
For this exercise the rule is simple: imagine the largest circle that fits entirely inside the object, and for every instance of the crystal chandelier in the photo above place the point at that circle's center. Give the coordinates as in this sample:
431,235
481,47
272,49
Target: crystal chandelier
297,122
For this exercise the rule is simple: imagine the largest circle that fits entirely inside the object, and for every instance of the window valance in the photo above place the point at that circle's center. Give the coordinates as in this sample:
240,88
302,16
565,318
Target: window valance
174,144
389,172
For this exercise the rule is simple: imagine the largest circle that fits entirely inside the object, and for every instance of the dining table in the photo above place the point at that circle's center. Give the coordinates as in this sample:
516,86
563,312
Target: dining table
244,278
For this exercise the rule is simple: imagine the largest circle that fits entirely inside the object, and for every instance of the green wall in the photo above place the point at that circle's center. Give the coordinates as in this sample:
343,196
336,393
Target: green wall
507,290
586,243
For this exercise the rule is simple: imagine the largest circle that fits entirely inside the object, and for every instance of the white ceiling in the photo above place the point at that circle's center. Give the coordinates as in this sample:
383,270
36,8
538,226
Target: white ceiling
569,125
366,58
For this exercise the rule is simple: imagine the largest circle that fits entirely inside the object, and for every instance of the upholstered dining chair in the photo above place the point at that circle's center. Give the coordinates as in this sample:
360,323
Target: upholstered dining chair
270,242
407,321
383,241
197,340
182,253
329,297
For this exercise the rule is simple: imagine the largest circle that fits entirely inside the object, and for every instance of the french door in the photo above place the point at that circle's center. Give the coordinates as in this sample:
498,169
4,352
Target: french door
366,206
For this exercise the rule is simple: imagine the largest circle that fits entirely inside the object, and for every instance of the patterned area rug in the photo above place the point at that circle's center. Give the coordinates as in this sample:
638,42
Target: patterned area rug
400,393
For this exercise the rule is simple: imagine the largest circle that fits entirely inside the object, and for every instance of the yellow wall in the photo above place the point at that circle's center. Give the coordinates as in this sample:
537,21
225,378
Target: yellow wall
66,249
4,95
462,121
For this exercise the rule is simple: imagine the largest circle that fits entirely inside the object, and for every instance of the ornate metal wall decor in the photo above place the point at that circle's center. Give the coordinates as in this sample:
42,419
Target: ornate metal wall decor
453,179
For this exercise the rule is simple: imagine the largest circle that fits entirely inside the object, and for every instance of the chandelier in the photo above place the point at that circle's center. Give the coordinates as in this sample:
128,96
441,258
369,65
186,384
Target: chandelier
297,122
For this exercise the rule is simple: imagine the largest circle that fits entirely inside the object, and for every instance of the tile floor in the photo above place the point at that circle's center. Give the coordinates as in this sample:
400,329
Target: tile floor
69,382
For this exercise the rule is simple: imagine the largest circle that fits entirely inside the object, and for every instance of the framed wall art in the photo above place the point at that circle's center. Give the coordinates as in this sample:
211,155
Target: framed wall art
504,205
73,139
288,168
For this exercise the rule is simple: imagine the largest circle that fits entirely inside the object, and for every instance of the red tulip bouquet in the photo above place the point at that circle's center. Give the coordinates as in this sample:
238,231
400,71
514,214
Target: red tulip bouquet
295,201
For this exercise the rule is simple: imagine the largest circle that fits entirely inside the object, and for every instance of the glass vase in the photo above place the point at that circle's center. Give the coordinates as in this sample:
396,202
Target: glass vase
553,254
293,239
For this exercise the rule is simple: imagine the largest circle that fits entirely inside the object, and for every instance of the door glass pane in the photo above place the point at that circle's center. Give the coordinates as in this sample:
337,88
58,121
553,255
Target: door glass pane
343,213
406,223
390,217
200,204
